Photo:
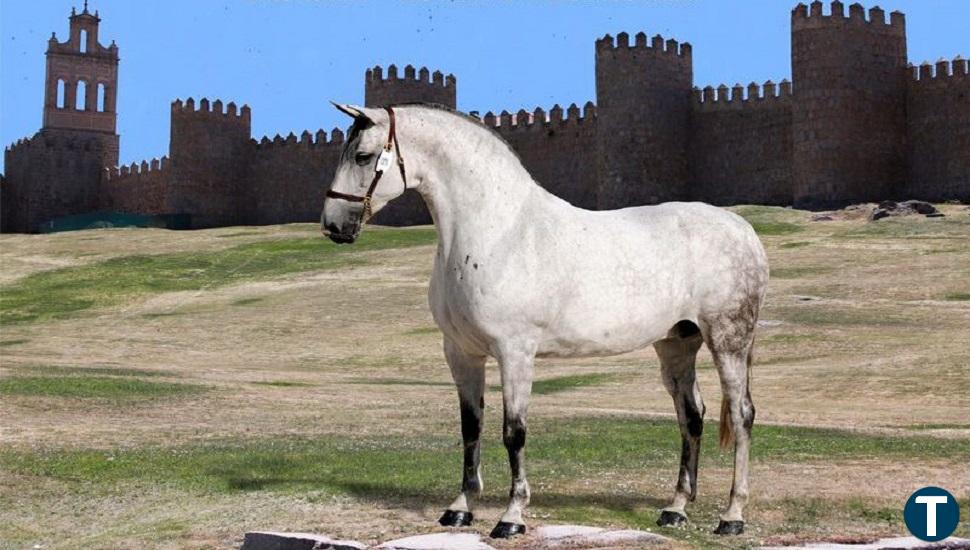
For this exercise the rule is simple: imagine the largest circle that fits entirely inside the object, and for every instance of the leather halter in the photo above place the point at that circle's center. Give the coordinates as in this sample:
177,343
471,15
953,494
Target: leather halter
378,172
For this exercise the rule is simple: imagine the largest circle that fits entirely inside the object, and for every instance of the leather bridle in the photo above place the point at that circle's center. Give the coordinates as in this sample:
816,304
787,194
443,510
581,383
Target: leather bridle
382,164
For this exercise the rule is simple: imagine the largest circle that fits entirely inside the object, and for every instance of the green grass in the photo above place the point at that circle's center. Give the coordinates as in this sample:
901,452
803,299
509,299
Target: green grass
382,381
771,220
423,469
565,383
386,467
912,227
282,384
104,388
958,296
58,370
775,228
13,342
539,387
63,293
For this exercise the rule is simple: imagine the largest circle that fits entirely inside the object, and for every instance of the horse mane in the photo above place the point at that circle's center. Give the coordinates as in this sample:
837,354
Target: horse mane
464,116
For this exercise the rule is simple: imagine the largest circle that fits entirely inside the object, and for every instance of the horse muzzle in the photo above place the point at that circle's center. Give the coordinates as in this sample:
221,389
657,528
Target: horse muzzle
343,234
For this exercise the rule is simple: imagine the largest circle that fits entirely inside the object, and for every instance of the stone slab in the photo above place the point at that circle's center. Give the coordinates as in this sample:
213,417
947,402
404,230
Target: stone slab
582,536
271,540
545,536
896,543
438,541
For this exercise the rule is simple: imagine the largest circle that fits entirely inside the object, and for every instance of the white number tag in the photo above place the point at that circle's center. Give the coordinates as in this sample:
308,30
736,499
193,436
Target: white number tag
385,160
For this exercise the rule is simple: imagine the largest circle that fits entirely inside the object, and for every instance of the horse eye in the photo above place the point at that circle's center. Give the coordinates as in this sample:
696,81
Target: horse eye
363,158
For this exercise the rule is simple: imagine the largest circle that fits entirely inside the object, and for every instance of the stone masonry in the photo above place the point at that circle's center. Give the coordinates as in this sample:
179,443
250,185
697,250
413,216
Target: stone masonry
857,123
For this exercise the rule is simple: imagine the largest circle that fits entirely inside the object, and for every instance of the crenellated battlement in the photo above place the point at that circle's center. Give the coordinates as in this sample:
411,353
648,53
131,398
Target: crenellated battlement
419,85
753,95
539,119
375,76
214,108
657,45
306,140
941,71
145,167
55,141
22,143
812,16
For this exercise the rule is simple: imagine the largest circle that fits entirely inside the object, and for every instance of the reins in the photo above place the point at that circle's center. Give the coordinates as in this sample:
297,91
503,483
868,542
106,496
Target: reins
383,163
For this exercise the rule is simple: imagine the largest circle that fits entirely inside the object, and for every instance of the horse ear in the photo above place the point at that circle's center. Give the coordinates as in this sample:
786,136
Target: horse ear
357,113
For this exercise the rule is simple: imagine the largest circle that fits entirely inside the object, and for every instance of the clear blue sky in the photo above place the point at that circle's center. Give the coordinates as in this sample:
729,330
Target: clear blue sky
287,58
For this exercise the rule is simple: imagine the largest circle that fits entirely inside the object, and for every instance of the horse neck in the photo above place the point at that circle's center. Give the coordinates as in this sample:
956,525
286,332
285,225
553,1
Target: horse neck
475,187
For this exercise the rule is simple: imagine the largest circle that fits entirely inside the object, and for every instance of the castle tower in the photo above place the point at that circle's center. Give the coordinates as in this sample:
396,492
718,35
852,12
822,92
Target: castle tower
80,94
849,113
210,151
643,95
57,172
416,86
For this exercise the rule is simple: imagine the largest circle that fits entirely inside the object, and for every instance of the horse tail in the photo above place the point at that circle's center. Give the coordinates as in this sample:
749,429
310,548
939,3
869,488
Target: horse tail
725,430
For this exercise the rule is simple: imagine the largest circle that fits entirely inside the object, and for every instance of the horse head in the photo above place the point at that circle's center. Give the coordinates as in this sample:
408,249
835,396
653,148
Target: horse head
369,175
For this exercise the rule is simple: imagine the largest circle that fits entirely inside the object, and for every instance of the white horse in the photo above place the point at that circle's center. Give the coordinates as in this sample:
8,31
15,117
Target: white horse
520,273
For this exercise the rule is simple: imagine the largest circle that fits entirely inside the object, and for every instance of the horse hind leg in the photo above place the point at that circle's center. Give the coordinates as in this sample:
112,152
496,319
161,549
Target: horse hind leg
469,374
731,341
677,355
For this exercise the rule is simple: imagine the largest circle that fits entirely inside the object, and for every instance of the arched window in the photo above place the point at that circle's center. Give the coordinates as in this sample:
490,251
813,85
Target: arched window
101,92
60,93
84,41
81,99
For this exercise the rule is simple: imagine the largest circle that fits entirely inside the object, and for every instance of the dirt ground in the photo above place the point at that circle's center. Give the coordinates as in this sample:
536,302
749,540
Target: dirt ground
863,331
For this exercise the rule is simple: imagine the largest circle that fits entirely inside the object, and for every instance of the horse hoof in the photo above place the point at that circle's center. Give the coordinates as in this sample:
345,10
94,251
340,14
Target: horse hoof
670,518
506,530
453,518
729,528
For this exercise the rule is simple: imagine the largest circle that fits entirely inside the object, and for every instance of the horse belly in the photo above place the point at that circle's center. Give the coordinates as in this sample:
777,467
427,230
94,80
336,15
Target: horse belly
605,331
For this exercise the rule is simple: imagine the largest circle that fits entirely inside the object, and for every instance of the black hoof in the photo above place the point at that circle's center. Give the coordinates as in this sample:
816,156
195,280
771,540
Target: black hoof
729,528
505,530
671,519
452,518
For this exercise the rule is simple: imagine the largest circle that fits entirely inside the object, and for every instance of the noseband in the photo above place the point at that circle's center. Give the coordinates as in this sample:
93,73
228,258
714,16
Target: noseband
383,163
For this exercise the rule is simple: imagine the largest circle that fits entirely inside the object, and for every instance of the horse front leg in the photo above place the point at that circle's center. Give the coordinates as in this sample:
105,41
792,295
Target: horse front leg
468,372
516,368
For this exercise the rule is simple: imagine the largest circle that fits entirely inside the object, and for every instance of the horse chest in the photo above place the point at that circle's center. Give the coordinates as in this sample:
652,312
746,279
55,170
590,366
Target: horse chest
470,304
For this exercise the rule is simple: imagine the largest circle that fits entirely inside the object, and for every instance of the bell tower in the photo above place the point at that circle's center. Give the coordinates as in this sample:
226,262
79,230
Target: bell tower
81,90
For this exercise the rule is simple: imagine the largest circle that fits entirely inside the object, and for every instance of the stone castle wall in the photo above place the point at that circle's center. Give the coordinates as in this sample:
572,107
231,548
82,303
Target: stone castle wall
855,124
741,146
938,123
557,148
144,188
55,173
211,153
849,115
289,176
417,85
644,104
